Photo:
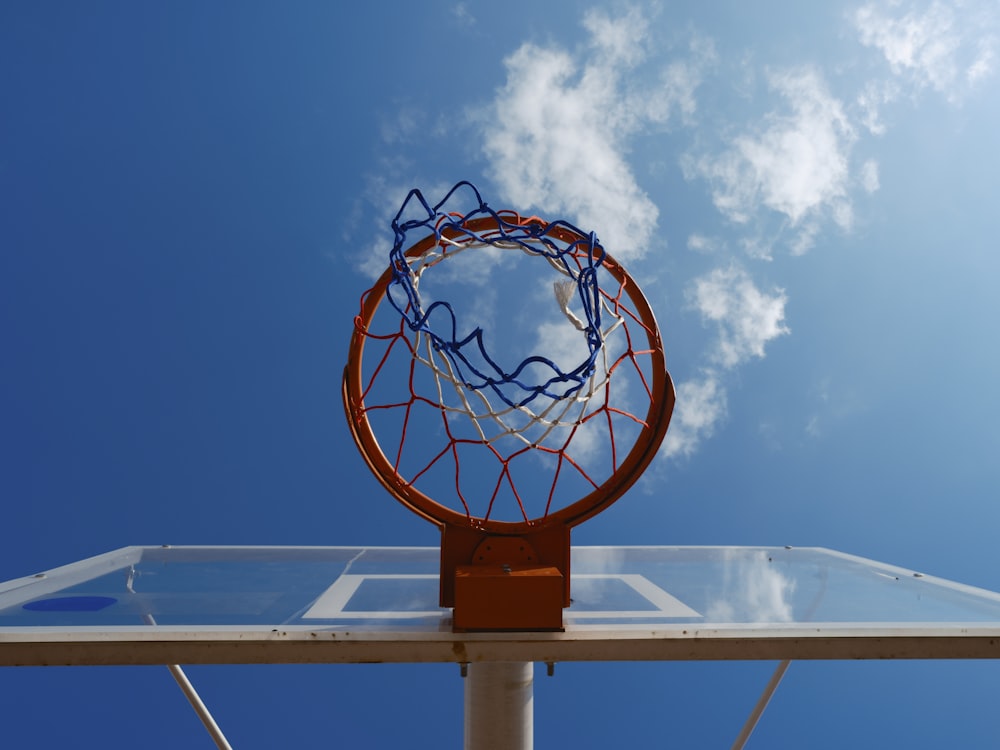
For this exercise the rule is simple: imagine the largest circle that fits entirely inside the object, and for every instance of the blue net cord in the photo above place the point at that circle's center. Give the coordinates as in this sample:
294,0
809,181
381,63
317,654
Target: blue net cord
575,254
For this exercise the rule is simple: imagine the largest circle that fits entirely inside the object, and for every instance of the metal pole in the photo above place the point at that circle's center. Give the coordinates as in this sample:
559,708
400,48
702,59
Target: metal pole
199,707
499,710
762,702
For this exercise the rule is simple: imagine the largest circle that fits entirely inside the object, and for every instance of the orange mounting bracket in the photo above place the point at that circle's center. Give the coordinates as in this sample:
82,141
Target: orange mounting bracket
505,582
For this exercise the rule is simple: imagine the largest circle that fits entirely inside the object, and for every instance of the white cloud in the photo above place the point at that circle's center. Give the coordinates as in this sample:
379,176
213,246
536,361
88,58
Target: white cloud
461,13
560,342
621,39
754,591
871,99
702,244
558,130
984,64
746,318
795,164
806,236
680,80
757,247
924,43
700,406
946,46
869,176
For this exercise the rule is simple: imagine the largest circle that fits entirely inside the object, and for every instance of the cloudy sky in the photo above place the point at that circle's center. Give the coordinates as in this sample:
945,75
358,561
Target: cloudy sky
196,195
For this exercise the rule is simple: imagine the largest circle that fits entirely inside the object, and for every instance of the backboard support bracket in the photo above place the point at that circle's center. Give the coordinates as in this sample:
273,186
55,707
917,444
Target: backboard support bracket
497,582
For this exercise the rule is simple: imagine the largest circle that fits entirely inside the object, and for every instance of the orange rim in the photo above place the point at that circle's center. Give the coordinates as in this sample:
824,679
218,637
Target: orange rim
655,424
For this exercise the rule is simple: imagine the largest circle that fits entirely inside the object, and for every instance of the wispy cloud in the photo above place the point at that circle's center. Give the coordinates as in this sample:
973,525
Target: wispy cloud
701,243
700,406
753,591
873,96
794,163
793,168
557,132
461,13
869,176
745,320
948,47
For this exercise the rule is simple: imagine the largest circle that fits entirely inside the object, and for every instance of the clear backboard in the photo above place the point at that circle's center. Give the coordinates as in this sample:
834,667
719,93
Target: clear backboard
167,605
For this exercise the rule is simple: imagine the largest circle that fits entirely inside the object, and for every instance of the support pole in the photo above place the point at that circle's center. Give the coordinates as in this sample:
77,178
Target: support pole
762,702
499,709
199,707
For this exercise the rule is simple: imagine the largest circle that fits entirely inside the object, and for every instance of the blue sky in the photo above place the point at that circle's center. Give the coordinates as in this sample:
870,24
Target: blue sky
195,195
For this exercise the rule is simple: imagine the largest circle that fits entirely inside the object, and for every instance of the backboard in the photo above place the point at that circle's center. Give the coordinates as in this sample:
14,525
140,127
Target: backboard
166,605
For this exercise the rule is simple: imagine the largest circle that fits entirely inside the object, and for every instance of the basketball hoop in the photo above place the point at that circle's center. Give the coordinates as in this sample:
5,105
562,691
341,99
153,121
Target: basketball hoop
504,438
